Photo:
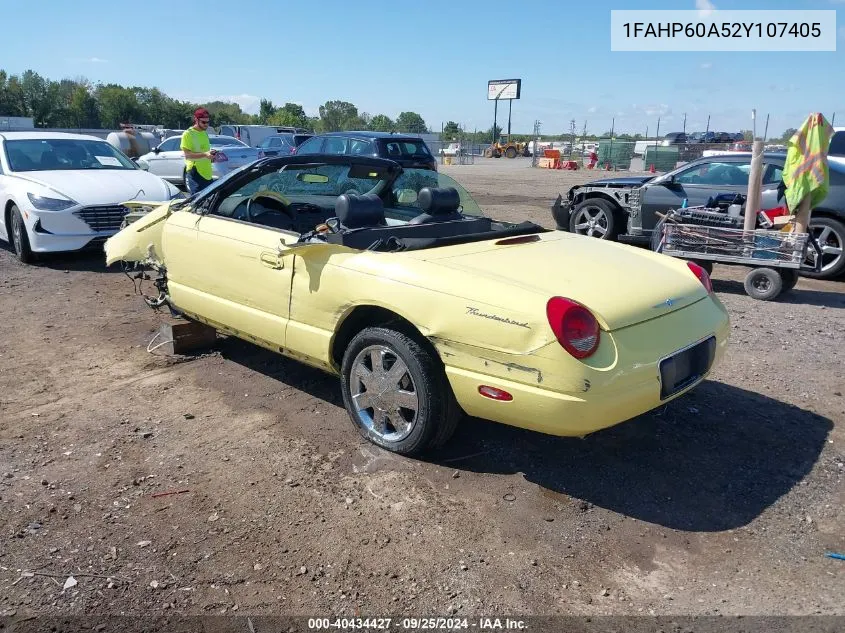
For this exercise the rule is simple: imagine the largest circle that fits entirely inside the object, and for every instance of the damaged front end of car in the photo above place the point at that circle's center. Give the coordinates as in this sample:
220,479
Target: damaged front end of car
137,248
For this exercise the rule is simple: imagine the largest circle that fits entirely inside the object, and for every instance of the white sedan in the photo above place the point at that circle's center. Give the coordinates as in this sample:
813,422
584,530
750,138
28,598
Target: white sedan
63,192
168,161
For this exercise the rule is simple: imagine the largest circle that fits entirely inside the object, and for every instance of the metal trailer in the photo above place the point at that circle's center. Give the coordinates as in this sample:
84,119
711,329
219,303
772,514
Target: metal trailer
775,257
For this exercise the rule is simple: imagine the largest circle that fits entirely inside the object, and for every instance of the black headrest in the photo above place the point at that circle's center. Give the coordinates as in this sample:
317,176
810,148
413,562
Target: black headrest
435,200
355,211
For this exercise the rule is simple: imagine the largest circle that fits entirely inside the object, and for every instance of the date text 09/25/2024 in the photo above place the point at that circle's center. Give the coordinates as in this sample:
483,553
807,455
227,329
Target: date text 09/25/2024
481,624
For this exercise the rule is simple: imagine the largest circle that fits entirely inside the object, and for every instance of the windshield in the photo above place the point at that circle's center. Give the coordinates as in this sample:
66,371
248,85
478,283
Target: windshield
317,180
406,189
64,154
225,140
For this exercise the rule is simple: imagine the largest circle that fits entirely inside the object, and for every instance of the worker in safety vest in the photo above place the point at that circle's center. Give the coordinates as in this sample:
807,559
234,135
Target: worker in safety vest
198,153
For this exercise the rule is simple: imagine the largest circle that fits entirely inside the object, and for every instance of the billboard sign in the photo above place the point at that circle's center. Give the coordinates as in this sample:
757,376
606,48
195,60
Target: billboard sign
503,89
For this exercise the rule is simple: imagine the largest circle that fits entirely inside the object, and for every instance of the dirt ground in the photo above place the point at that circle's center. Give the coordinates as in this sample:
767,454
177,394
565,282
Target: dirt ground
723,502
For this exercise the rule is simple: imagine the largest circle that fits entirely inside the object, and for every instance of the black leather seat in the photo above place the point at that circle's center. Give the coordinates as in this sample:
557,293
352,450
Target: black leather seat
355,212
439,204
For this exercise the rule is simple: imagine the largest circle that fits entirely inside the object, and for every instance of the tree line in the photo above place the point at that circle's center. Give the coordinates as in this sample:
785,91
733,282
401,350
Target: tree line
80,104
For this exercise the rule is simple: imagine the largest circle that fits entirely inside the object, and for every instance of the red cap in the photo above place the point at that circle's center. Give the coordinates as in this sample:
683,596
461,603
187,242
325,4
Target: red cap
201,113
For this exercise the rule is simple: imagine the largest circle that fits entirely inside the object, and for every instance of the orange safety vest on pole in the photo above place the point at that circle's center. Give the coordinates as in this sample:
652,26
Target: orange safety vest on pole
806,171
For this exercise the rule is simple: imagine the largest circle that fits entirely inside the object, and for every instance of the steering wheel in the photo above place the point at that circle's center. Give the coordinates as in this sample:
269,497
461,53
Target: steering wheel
273,195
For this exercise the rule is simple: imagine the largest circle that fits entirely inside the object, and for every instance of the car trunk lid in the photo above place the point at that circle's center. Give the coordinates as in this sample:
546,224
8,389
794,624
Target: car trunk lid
622,285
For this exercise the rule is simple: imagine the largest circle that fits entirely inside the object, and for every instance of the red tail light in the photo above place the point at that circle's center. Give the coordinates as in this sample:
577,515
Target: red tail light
575,327
702,275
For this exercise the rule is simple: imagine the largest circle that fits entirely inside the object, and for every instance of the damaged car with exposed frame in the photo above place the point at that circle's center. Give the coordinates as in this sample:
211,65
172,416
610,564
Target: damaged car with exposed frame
395,281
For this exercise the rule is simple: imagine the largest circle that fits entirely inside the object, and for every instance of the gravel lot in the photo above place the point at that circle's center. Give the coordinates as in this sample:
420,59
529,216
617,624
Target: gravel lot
723,502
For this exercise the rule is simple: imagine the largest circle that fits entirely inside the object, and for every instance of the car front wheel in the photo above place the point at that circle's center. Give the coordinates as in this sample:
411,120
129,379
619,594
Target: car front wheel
830,234
20,238
396,392
594,217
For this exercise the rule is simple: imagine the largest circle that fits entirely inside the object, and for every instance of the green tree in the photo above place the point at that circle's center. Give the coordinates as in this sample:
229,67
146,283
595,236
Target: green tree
450,131
226,112
265,111
118,105
382,123
35,97
11,95
83,110
411,122
788,134
338,115
290,115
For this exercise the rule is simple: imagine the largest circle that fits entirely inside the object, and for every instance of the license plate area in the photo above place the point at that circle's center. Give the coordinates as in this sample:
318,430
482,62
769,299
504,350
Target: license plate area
683,368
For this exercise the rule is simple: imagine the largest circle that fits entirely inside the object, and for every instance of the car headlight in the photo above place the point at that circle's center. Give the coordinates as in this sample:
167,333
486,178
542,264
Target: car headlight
49,204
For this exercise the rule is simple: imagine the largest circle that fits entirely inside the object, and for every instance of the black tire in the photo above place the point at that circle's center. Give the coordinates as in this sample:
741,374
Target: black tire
436,415
497,153
511,152
18,236
832,233
603,214
789,277
764,284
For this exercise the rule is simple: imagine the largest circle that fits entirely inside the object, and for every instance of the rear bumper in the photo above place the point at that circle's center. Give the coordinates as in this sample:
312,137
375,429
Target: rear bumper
575,399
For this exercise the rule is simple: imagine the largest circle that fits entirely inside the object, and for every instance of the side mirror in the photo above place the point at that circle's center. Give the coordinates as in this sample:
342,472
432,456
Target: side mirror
156,150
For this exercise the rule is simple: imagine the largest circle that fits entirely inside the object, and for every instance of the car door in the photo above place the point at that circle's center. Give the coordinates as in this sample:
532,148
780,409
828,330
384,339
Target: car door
696,183
231,272
169,161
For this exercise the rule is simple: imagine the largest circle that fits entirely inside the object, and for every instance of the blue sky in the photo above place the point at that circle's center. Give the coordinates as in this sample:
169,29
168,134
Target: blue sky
432,57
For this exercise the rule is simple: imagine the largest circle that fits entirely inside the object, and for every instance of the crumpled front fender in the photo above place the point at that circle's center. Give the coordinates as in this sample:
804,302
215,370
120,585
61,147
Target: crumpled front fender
141,240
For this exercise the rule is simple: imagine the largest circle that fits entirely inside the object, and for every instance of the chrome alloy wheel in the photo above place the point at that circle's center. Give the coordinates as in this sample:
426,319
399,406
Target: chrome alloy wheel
385,398
831,245
592,221
17,232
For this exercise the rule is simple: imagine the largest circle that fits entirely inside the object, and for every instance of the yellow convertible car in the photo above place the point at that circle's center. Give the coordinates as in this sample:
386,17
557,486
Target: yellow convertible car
394,280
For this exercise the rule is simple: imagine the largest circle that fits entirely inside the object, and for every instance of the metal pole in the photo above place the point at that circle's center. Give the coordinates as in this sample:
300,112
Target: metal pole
755,179
495,115
685,123
510,105
657,141
766,131
754,124
610,151
708,128
833,120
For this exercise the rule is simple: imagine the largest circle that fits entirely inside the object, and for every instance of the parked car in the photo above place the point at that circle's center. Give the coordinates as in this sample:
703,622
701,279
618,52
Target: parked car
452,149
282,144
625,209
407,150
674,138
252,135
168,161
62,192
836,151
425,308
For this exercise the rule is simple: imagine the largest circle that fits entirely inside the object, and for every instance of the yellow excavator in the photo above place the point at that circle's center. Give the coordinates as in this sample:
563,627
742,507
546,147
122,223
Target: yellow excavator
507,148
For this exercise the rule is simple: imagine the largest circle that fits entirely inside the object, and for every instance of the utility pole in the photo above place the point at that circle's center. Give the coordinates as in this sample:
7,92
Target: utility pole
766,131
685,123
707,131
510,105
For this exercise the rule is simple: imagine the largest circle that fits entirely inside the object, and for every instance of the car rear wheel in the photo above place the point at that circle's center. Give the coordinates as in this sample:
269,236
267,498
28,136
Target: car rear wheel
830,234
594,217
396,392
20,238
